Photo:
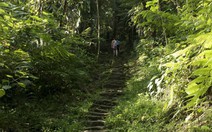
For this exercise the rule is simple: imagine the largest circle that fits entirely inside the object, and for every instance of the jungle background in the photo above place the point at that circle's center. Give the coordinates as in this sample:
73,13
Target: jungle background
55,55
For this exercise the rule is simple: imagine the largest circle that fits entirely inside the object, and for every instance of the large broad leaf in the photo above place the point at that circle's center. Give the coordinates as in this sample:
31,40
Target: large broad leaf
204,39
199,80
3,4
202,72
2,11
192,89
170,64
2,92
183,52
193,101
199,62
208,43
206,54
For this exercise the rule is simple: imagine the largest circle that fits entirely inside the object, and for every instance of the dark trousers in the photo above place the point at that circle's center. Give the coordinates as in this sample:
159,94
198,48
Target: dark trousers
117,48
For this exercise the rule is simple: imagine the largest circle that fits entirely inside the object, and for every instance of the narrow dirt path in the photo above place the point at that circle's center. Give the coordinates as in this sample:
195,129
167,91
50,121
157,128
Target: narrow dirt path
112,89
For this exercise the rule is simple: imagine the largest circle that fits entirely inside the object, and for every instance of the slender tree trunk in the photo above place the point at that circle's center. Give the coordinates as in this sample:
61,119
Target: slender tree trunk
159,6
114,19
65,7
40,8
98,28
92,15
162,23
177,4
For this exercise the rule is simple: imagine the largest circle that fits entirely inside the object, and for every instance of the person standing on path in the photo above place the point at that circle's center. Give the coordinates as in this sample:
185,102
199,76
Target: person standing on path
114,47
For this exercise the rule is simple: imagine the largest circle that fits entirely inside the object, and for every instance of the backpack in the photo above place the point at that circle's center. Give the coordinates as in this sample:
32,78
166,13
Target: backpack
117,42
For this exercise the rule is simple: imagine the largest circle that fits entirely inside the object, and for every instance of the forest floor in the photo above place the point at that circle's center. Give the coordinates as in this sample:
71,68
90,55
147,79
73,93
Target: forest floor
116,101
67,110
111,90
125,103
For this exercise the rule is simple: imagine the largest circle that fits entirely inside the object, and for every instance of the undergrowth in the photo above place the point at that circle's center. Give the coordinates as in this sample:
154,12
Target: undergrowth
143,108
61,111
137,111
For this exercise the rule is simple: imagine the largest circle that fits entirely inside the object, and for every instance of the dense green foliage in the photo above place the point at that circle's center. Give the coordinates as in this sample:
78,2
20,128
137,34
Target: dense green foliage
50,55
175,39
35,49
187,53
42,63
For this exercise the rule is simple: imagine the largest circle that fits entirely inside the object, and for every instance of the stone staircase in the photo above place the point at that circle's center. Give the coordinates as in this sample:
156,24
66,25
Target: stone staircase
112,90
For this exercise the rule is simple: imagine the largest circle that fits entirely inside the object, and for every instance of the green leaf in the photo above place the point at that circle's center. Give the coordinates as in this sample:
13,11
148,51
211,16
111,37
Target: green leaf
3,4
183,52
199,80
199,62
2,92
9,76
22,84
22,73
2,11
192,102
192,88
5,81
209,63
205,128
6,87
1,64
33,77
206,54
208,44
36,18
170,64
202,71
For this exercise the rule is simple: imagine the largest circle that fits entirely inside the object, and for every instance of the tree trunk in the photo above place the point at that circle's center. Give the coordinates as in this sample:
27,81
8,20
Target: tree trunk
92,15
98,28
40,8
65,7
159,6
162,23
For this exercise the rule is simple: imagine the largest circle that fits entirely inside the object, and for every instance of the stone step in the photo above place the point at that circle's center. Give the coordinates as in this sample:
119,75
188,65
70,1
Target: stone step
106,97
118,81
117,71
112,90
94,117
97,109
111,94
95,122
102,106
118,66
95,129
120,73
113,85
106,102
117,77
98,113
